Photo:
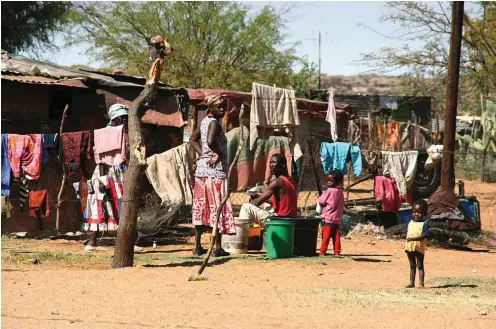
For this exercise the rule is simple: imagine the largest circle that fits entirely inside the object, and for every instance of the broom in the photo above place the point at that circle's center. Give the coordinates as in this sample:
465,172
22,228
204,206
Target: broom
198,276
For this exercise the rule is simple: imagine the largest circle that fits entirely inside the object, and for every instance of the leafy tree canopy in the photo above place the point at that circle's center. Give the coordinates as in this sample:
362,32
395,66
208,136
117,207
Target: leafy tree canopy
30,25
216,44
431,23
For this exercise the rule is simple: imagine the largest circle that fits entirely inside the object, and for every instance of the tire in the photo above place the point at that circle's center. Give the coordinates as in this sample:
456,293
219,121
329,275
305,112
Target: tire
426,182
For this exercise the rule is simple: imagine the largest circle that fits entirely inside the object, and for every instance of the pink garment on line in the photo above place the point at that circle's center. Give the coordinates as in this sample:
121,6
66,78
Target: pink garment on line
110,145
332,202
386,191
25,155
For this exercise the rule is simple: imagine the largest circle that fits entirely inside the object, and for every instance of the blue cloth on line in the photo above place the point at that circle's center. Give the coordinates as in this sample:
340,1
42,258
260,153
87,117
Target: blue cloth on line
356,160
5,165
334,156
49,141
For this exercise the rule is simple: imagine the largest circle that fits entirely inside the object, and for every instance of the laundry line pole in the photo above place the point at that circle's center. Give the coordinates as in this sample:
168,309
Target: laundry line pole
320,59
450,109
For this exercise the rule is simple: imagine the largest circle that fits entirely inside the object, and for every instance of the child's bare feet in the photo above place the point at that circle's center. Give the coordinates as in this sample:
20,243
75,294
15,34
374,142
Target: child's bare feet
421,286
322,255
411,285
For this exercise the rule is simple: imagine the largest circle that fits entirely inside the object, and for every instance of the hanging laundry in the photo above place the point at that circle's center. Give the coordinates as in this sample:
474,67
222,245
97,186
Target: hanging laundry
337,155
253,166
38,201
386,191
102,211
77,148
110,145
5,165
393,135
389,135
356,160
402,167
49,141
172,176
25,155
23,192
116,187
271,109
331,117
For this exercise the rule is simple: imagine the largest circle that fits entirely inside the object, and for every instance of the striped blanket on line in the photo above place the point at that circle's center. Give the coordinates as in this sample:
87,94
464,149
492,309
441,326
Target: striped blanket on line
253,166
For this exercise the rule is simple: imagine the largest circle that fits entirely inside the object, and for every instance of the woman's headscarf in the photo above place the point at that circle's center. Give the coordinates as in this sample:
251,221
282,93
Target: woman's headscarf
213,101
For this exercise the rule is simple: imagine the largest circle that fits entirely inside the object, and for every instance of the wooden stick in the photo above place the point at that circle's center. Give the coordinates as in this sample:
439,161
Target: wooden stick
312,161
360,132
369,122
215,230
64,173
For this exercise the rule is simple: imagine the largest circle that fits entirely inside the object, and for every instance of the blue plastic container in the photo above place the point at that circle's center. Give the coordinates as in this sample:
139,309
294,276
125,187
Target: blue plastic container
405,215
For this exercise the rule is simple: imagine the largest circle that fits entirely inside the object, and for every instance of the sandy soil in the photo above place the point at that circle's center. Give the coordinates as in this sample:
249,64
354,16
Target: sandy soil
364,289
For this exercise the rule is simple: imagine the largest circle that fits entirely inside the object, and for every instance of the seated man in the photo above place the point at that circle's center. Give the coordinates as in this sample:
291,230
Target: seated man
281,191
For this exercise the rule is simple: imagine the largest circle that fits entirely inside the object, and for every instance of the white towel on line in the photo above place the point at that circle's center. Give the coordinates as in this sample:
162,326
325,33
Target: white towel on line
272,109
331,117
402,167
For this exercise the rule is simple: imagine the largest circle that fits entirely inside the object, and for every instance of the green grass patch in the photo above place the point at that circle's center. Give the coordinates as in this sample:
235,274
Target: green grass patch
28,256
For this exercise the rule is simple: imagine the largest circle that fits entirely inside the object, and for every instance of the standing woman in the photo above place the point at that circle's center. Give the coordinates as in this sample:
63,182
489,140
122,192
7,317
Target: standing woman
211,176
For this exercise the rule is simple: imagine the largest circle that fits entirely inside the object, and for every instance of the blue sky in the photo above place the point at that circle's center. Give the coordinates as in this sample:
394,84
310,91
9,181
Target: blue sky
343,39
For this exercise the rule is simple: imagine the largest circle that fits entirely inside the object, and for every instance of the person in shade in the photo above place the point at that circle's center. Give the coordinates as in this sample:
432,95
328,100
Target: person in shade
210,142
281,193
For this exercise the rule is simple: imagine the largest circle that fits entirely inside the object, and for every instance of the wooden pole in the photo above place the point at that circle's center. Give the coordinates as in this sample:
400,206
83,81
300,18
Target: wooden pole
369,121
314,169
448,166
126,234
64,173
360,132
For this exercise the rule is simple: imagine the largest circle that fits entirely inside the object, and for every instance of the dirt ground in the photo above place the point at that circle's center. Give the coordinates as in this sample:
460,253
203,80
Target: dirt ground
362,289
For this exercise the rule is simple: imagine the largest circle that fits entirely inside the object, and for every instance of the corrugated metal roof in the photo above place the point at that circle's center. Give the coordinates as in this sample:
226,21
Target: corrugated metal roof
459,125
44,80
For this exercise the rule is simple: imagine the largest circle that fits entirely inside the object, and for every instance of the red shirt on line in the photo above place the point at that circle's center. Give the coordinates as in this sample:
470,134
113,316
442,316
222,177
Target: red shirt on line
288,205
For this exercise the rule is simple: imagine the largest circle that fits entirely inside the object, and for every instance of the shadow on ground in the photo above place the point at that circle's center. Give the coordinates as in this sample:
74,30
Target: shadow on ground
473,286
369,260
190,263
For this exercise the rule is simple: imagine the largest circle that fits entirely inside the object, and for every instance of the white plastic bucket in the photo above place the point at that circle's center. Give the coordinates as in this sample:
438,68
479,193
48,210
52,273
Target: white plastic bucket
238,243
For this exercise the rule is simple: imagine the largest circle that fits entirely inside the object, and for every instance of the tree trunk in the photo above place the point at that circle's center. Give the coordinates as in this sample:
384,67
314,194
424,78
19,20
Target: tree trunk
126,234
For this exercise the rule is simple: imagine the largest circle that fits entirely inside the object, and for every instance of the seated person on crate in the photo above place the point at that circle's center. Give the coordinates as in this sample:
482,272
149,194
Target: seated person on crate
281,192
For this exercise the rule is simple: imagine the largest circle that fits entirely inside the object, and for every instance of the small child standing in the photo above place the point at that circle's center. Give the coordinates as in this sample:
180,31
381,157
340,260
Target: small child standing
417,231
332,203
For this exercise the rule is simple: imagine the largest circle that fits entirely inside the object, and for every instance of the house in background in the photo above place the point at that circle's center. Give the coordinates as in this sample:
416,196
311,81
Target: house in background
34,95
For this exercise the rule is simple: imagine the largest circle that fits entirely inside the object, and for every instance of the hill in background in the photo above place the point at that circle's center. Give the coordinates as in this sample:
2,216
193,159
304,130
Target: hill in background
362,84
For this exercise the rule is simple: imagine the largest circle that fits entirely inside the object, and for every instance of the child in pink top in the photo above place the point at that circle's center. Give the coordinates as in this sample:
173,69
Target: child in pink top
332,203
